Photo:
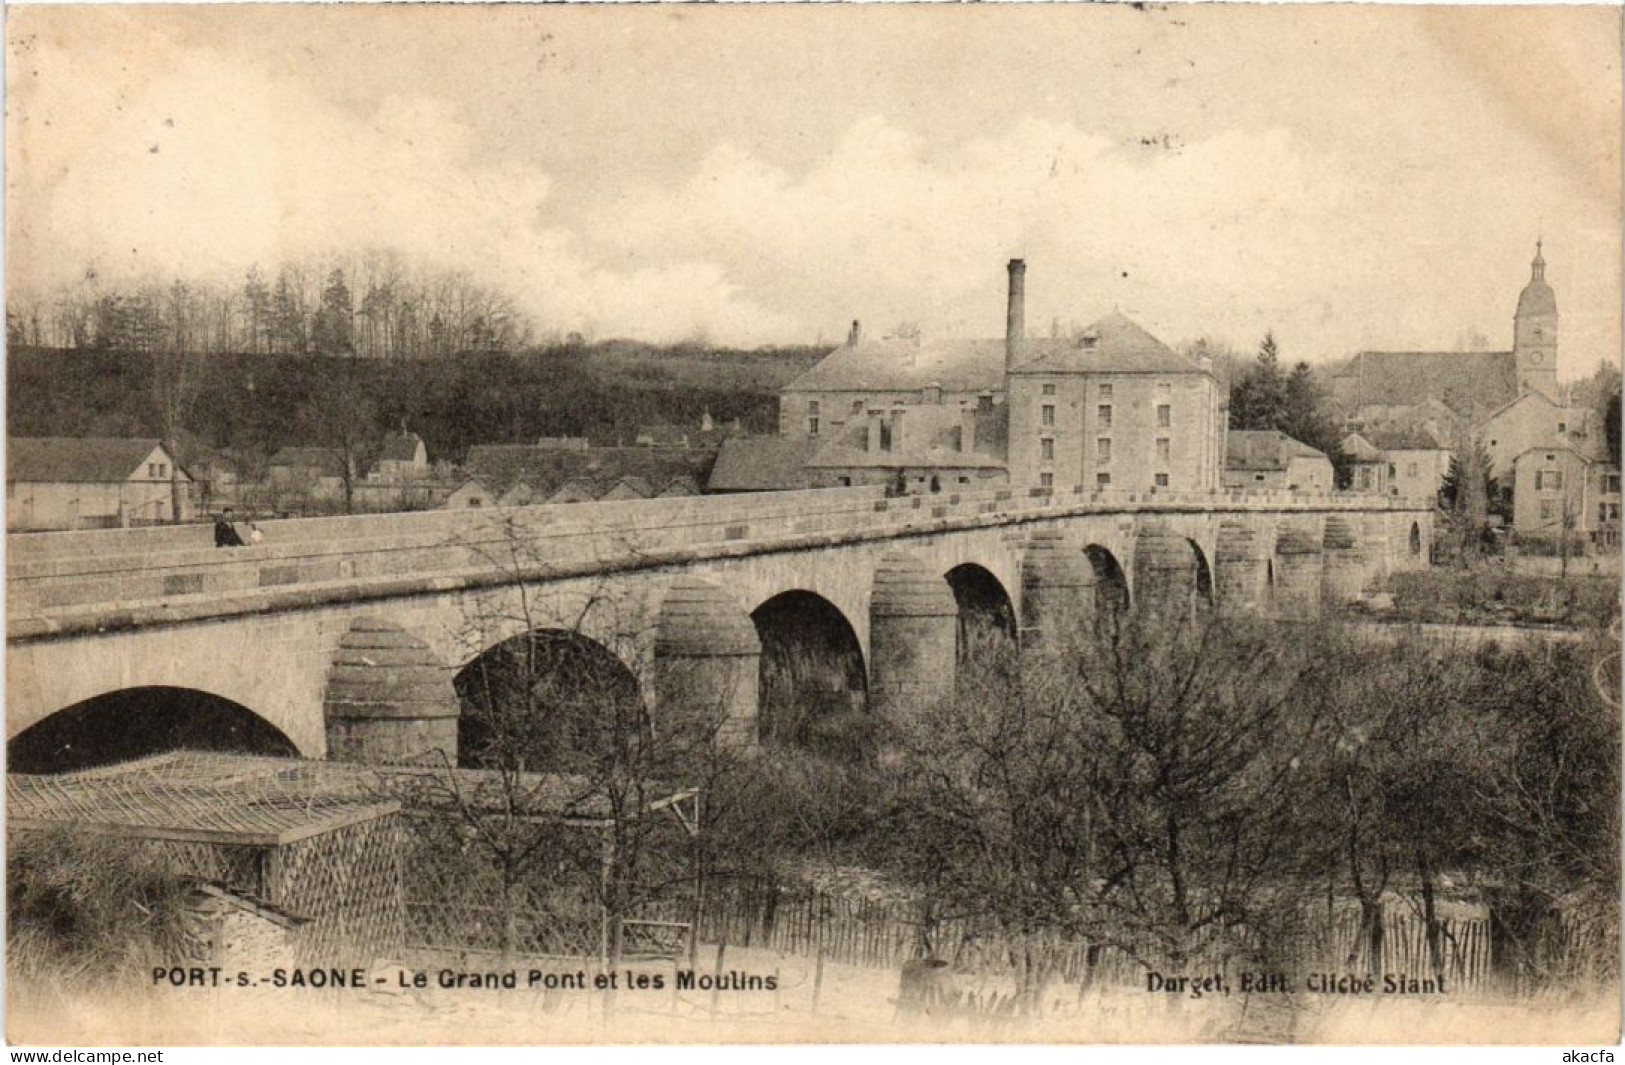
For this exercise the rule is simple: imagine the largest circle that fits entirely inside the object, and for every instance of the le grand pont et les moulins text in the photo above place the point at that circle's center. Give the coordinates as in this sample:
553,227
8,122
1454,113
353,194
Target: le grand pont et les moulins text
453,979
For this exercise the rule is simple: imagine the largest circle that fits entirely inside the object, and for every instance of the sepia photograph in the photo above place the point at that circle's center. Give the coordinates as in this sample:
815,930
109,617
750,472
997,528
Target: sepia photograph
1063,523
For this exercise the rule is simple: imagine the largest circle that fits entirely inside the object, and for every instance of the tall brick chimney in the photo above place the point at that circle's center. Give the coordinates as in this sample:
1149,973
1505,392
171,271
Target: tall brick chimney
856,333
1015,320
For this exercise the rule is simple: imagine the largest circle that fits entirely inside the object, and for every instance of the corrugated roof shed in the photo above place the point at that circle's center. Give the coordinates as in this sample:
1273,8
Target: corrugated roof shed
253,800
77,460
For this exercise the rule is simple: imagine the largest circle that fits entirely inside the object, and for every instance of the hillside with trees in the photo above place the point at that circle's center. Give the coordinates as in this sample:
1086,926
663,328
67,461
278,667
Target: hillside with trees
249,405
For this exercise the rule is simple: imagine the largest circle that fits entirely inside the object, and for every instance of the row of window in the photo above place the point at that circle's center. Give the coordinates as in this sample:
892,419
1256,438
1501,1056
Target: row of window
1103,448
1102,480
157,469
1103,415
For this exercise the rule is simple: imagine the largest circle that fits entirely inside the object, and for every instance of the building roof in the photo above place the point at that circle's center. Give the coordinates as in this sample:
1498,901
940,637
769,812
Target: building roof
255,800
1264,449
931,438
192,795
894,364
1403,439
1468,382
1114,344
762,464
1358,448
327,460
79,460
548,468
1553,449
400,447
1537,296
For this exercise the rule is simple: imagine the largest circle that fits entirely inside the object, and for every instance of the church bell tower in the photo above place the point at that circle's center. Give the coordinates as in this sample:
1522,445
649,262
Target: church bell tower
1534,333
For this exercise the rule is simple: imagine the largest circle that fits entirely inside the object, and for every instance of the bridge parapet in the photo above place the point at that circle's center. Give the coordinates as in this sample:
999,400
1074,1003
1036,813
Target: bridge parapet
95,581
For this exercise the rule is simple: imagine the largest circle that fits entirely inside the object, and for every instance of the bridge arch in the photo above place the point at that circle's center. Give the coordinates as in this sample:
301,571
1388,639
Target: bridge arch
1111,582
134,722
985,610
553,699
813,683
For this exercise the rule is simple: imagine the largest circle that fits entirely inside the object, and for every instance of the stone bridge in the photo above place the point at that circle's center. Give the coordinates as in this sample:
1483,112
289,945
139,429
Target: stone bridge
342,636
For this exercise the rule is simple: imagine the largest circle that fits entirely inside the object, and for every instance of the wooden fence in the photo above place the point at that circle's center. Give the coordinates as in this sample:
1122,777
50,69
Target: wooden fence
885,934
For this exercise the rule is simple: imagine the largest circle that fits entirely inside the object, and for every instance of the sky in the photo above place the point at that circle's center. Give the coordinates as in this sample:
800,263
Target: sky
1348,177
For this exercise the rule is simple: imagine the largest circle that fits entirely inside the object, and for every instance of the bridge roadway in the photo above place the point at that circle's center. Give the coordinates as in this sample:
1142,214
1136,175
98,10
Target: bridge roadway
343,633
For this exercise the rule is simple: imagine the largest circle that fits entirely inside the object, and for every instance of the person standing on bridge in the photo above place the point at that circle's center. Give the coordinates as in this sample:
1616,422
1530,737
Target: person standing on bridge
225,533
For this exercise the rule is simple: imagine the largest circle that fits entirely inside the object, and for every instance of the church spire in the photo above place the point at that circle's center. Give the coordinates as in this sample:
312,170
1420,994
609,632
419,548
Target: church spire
1537,269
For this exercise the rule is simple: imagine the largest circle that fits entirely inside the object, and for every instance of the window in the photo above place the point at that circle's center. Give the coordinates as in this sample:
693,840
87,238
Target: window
1258,476
1105,391
1046,449
1164,388
1548,480
1049,414
812,408
163,469
1162,480
1049,390
1165,415
1046,480
1162,449
152,469
1104,413
1410,469
1103,448
1610,482
1103,480
1548,509
812,426
857,406
1562,427
844,482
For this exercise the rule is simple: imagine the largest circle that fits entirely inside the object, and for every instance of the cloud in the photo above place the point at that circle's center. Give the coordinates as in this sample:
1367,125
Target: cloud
214,166
206,161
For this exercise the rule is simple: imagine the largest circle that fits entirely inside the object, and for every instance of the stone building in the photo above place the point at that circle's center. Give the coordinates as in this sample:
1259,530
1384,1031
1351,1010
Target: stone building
1558,489
1535,420
1115,409
91,483
1112,408
1270,459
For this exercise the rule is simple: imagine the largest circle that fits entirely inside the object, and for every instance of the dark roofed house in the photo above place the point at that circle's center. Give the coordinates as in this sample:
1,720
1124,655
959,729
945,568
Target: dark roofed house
91,483
549,469
1272,459
633,487
762,464
403,458
679,486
